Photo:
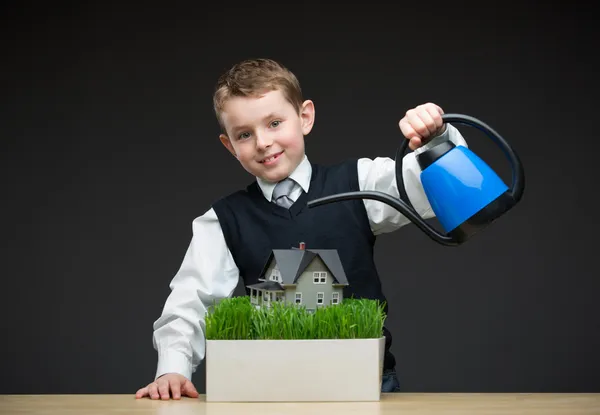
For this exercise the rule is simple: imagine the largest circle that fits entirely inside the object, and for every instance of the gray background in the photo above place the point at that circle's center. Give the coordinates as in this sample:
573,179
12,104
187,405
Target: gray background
109,150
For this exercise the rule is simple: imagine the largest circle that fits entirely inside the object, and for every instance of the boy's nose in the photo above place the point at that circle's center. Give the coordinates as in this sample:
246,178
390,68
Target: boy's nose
263,141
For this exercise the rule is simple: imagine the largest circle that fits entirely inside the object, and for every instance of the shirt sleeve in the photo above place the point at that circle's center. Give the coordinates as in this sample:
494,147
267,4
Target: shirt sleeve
379,174
207,273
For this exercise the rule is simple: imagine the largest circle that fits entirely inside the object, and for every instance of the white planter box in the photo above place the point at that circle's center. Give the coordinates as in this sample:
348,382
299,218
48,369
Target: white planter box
294,370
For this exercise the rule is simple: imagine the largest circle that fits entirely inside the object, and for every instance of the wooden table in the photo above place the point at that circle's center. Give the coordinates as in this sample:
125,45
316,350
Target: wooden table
397,404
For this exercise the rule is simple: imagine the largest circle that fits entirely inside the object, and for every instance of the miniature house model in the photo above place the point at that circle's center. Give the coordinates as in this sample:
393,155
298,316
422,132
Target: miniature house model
308,277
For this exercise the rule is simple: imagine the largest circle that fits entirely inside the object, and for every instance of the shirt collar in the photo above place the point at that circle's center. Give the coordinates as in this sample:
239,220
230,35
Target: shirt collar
300,175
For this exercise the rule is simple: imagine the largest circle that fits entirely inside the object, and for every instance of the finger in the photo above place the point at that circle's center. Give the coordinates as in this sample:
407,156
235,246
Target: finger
175,388
428,120
415,143
436,114
432,105
414,119
414,140
163,389
190,390
407,130
153,391
141,392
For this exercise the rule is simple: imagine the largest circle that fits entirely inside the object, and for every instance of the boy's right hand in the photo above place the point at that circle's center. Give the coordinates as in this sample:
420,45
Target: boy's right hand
168,385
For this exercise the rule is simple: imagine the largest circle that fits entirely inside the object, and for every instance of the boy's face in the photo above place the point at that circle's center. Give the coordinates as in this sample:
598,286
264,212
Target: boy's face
266,134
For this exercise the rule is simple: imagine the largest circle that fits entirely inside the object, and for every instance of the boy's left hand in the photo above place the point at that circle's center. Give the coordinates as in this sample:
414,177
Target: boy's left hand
421,124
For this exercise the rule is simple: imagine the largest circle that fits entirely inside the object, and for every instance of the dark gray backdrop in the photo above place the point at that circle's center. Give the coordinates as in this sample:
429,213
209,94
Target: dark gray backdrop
110,150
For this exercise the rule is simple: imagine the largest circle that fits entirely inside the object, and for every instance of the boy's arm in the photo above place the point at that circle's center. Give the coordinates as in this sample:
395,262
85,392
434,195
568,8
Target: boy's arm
207,273
379,174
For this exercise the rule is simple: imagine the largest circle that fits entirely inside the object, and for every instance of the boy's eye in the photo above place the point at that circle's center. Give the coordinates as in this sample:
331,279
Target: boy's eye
275,123
244,135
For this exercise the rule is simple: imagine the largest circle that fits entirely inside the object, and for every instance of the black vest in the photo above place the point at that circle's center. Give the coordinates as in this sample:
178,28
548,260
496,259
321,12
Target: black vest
253,227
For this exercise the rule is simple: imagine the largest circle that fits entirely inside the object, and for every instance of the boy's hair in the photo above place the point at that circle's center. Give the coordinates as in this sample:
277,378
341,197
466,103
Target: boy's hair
251,78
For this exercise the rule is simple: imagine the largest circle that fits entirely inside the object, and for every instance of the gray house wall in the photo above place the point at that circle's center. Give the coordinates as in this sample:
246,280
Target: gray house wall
309,289
270,268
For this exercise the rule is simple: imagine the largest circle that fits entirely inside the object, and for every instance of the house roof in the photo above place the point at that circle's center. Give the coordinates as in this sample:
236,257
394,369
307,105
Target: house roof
267,285
293,262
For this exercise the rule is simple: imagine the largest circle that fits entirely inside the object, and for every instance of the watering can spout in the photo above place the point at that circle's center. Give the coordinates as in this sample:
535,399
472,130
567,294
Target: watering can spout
465,194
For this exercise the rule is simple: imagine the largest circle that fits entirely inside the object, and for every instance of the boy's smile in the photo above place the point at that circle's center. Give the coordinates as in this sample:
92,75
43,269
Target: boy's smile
266,134
271,159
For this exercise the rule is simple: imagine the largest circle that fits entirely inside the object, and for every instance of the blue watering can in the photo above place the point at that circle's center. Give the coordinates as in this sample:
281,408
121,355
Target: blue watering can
465,194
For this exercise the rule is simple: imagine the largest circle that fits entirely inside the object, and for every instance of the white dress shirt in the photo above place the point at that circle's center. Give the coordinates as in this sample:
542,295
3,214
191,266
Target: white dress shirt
208,272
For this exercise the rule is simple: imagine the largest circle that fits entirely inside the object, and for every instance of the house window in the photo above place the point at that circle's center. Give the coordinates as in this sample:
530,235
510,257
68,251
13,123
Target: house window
319,277
320,298
266,296
275,275
298,298
335,298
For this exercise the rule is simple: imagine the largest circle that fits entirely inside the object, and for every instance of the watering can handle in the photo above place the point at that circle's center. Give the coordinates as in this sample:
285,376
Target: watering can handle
518,176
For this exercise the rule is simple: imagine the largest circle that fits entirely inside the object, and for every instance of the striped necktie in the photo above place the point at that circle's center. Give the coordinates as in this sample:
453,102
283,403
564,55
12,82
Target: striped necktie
282,191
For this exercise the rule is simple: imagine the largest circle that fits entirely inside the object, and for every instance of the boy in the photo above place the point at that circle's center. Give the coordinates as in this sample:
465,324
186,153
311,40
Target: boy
264,119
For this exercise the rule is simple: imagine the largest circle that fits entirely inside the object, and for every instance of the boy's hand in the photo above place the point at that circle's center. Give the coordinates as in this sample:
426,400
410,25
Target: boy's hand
421,124
169,385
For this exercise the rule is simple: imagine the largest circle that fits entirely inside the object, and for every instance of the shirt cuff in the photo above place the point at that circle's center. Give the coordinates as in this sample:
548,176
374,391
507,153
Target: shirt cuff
445,136
174,362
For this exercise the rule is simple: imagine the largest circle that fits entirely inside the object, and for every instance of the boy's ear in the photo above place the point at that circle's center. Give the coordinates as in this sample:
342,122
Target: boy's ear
227,143
307,114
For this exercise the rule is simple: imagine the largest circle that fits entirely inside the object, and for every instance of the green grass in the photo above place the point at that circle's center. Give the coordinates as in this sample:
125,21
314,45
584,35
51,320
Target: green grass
237,319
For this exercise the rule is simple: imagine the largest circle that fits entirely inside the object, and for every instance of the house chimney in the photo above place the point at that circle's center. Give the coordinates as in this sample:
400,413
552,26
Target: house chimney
302,245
